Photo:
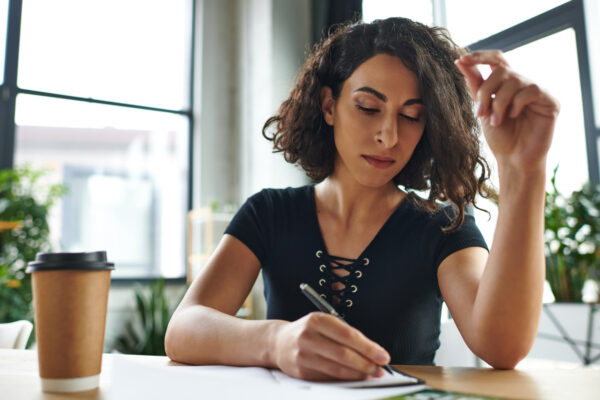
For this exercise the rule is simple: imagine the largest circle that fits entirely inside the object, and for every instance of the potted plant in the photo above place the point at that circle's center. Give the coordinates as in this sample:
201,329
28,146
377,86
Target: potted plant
572,240
145,332
572,245
24,205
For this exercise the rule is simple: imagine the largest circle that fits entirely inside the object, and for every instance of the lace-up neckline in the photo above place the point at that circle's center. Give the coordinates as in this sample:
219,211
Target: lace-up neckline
340,276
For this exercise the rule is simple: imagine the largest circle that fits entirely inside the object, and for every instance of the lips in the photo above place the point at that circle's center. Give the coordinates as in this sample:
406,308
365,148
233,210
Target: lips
379,161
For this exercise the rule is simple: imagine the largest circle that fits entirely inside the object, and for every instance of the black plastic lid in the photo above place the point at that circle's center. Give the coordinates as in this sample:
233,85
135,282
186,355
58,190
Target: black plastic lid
94,260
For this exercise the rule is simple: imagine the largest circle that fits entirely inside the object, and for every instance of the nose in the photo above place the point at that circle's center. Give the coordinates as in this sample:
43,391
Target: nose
388,135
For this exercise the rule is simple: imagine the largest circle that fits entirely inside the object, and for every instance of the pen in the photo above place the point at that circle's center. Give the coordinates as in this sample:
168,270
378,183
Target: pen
327,308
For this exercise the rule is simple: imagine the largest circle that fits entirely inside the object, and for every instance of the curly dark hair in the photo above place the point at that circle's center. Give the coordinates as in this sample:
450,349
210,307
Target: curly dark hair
446,158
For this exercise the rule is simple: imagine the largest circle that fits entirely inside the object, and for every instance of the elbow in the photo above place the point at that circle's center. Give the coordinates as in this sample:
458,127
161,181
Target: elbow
503,347
171,341
505,356
504,363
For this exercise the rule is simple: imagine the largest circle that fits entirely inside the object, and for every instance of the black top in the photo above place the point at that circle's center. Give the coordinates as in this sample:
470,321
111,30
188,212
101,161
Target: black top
390,293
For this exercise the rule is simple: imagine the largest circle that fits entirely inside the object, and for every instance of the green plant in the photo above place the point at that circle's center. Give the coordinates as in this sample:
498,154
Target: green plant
25,200
146,333
572,239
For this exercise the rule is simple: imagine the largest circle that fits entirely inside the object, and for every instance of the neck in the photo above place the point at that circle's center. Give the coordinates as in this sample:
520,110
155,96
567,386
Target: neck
349,200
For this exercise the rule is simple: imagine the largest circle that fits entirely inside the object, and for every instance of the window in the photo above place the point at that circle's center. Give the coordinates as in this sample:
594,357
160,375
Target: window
417,10
3,29
126,170
103,102
568,148
471,20
130,51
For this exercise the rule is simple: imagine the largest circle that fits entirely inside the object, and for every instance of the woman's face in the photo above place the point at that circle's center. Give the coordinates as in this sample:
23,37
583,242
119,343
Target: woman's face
377,120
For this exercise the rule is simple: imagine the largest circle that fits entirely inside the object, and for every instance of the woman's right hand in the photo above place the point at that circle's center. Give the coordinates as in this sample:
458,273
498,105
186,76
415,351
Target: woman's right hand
319,346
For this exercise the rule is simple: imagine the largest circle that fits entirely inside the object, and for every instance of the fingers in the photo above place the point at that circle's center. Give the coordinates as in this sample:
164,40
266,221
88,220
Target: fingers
336,330
493,58
496,94
324,347
343,362
525,96
317,366
467,64
472,75
504,93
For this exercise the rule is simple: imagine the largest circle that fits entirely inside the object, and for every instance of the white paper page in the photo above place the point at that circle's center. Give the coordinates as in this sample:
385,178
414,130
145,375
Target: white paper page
133,380
386,380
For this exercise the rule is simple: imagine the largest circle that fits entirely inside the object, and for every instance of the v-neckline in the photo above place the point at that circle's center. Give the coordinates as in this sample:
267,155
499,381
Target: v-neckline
313,204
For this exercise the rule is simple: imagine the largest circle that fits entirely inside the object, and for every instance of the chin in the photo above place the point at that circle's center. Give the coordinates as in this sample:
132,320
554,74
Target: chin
375,182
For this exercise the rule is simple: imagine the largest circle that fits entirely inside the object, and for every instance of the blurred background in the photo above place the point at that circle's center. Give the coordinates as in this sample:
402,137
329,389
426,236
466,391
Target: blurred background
135,127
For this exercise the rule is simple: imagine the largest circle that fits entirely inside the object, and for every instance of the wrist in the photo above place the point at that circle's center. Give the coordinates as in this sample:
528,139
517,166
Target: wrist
516,178
272,337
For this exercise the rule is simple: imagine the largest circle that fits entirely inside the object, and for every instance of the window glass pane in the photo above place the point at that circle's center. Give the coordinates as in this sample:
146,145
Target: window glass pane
131,51
417,10
471,20
560,76
126,172
3,28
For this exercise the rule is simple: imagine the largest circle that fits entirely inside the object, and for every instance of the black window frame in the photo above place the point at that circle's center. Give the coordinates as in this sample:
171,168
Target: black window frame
9,91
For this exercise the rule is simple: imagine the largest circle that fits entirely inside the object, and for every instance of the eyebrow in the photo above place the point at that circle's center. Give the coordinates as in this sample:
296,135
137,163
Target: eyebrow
383,97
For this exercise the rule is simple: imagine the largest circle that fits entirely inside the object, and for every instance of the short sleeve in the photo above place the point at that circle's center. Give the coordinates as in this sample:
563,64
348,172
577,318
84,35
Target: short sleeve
251,225
467,235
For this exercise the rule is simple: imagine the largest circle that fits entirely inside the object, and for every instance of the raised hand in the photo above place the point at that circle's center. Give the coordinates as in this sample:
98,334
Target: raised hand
321,347
518,116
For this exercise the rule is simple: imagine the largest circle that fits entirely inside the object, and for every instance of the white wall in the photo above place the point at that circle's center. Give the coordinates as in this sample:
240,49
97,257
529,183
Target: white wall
274,35
244,72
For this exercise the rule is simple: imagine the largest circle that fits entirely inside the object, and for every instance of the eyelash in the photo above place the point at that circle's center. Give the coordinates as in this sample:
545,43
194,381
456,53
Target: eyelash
371,111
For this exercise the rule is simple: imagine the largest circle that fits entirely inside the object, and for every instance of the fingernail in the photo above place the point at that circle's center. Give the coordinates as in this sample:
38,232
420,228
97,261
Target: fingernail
480,109
494,119
381,357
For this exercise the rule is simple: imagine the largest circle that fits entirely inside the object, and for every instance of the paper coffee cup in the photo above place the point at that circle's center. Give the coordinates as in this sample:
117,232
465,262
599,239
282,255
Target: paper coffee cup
70,296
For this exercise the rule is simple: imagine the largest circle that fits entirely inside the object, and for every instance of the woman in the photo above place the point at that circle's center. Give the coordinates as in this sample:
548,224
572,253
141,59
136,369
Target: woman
377,106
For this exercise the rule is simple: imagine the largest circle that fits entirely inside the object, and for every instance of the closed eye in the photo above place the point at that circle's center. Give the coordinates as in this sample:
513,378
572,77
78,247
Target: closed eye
408,117
367,110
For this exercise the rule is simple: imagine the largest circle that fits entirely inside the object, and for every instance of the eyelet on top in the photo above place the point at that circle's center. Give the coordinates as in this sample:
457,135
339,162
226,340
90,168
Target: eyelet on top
366,260
324,296
322,267
321,282
319,253
349,303
354,288
358,274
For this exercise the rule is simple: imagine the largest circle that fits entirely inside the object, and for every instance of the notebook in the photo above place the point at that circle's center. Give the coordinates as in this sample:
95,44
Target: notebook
399,378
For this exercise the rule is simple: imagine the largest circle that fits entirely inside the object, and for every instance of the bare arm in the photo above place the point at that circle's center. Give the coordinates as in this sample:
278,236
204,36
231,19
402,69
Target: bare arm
203,329
497,309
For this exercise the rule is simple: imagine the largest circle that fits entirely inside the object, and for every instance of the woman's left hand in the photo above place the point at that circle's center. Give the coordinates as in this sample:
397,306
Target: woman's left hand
517,116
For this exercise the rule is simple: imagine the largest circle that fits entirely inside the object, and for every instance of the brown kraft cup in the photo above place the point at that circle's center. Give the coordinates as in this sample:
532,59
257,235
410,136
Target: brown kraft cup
70,297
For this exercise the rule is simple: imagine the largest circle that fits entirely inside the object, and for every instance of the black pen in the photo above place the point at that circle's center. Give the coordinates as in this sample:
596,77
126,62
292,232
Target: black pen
327,308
